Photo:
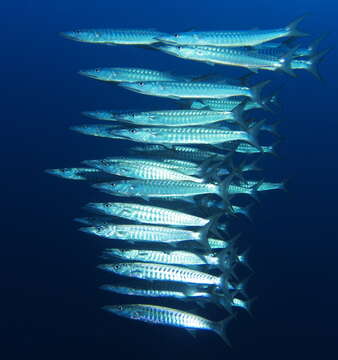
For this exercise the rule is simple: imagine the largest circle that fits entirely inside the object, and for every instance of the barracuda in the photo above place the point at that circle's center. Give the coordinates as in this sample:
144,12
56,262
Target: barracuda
180,90
163,188
232,38
116,74
161,272
170,317
139,170
188,153
149,233
147,214
115,36
223,260
263,186
252,60
188,135
180,117
188,293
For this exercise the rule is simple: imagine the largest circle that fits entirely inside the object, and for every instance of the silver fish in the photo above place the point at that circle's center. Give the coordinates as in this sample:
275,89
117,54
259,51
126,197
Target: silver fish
116,74
115,36
148,214
223,260
170,317
161,272
188,135
180,117
181,90
139,170
233,38
252,60
149,233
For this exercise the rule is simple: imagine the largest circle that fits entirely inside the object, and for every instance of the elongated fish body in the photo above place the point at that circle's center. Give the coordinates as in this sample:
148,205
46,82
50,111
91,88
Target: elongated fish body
126,290
187,153
157,188
162,272
116,74
224,104
170,317
115,36
232,38
181,90
228,56
264,186
246,148
176,117
140,171
183,135
147,233
148,214
184,258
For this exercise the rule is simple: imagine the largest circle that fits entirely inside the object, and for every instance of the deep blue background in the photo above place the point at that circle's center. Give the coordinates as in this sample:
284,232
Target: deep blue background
51,308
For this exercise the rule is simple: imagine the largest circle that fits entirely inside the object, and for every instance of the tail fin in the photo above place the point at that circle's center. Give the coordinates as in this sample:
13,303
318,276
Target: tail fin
241,287
286,60
314,61
238,111
212,225
243,258
253,134
224,191
292,28
244,304
272,128
246,211
256,92
254,190
252,166
312,48
220,327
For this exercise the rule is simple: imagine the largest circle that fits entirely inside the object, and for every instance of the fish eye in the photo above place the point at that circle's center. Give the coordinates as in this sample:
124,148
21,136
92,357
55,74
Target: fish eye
133,130
116,266
77,31
120,307
176,35
141,83
97,70
107,205
179,47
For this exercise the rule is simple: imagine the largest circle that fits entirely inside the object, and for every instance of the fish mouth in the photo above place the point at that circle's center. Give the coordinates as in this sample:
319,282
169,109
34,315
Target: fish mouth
87,74
70,36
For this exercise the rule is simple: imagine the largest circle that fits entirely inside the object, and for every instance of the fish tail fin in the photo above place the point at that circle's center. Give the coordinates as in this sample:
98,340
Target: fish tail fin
273,148
243,258
224,191
237,113
292,27
252,166
246,211
253,132
256,92
314,61
241,287
247,304
212,225
313,46
220,327
272,128
283,185
286,61
254,190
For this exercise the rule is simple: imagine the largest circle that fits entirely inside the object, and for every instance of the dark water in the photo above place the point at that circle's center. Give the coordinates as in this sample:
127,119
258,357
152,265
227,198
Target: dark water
51,307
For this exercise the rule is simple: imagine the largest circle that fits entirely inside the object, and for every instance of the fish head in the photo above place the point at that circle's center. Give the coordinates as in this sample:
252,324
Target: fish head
137,134
130,311
94,130
103,74
102,208
183,38
90,36
100,114
142,87
177,50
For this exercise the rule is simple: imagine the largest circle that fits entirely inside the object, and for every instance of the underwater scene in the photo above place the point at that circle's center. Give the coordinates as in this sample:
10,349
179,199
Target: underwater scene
170,180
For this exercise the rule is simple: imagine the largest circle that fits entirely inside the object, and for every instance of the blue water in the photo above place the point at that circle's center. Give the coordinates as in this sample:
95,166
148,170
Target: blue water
49,279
